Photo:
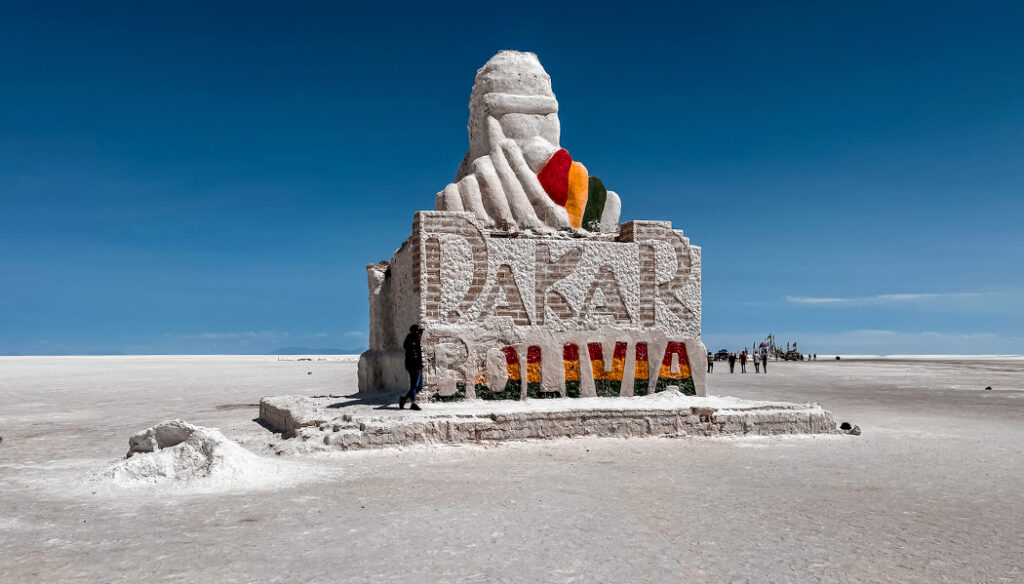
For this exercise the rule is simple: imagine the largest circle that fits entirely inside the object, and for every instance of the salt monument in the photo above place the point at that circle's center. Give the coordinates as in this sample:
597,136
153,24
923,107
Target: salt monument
528,287
522,276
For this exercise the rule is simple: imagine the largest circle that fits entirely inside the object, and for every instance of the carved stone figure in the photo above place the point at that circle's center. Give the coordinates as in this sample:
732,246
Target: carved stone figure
522,277
516,175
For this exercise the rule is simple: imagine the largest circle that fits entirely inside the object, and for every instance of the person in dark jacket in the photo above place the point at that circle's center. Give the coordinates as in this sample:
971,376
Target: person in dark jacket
732,362
414,365
764,361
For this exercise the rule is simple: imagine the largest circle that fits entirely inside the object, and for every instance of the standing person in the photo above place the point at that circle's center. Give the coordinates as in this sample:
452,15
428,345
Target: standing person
743,361
732,362
757,362
414,365
711,362
764,361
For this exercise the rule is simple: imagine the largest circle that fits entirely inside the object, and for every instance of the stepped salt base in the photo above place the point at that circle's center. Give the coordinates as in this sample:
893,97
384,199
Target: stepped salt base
358,422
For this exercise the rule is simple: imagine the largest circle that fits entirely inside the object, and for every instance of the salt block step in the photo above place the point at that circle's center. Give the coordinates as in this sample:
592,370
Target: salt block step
370,422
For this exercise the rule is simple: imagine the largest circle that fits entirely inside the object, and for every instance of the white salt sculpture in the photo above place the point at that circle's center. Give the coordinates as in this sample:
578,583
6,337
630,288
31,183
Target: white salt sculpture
522,277
513,132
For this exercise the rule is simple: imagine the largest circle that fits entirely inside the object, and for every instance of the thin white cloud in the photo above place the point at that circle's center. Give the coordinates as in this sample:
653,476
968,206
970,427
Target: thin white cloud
816,300
880,299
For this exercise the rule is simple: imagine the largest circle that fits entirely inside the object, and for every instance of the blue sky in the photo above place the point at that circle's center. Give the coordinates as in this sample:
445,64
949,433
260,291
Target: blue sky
214,177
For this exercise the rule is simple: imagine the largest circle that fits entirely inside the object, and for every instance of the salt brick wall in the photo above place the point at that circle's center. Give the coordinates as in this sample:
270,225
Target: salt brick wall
477,293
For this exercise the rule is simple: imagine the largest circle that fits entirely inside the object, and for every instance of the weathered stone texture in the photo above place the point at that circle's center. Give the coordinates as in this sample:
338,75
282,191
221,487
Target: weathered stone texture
322,428
515,176
486,299
524,267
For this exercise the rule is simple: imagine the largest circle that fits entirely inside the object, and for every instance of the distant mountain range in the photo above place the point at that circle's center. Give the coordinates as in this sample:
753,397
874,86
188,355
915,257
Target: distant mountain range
321,351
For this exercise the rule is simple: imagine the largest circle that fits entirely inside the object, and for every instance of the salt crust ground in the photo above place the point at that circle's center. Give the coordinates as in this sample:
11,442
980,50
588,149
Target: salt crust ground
930,493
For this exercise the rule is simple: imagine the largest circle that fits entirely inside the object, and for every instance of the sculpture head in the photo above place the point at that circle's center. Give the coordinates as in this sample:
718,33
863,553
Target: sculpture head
513,88
515,174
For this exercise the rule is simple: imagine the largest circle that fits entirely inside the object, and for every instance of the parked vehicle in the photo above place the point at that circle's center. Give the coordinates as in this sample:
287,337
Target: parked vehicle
793,356
722,355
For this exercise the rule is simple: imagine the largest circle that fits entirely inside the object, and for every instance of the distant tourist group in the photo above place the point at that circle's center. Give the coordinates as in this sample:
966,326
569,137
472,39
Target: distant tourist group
759,357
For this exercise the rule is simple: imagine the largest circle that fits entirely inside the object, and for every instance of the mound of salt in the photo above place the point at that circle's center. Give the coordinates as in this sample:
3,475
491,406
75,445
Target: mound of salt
176,451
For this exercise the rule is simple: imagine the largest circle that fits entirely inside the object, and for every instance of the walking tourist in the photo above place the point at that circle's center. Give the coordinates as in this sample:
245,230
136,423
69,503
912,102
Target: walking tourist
414,365
711,362
764,361
743,361
732,362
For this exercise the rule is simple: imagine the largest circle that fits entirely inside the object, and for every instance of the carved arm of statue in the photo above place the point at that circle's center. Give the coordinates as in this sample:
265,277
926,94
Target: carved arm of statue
515,176
504,192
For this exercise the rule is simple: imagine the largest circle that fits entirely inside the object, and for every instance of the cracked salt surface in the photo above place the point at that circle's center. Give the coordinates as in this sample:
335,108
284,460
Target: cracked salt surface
931,492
